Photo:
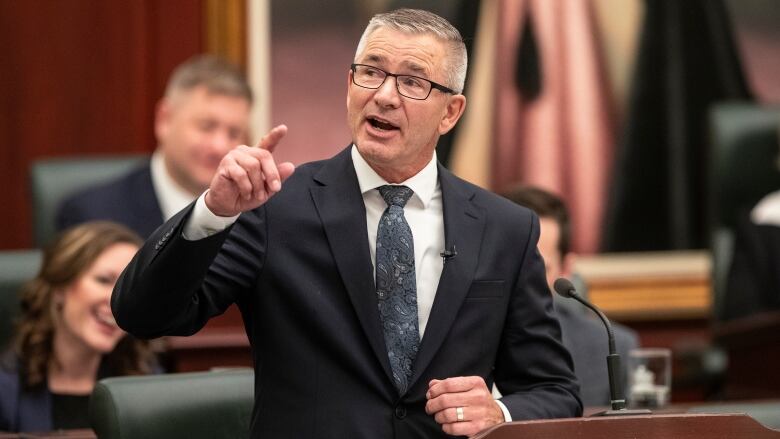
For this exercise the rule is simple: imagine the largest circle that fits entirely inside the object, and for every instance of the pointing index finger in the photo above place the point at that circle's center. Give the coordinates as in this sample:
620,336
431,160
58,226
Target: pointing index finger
270,140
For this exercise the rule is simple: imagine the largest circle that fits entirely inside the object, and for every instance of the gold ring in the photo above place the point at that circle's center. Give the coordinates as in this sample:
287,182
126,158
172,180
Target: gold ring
459,412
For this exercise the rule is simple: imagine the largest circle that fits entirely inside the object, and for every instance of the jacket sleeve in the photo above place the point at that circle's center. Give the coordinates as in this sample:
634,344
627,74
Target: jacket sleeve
534,371
173,286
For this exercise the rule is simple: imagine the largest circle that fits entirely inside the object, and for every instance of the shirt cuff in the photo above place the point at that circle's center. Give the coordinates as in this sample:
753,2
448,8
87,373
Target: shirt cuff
203,222
507,416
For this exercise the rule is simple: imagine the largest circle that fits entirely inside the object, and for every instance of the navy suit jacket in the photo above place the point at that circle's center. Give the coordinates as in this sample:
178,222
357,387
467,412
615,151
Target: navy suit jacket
753,284
128,200
22,410
299,268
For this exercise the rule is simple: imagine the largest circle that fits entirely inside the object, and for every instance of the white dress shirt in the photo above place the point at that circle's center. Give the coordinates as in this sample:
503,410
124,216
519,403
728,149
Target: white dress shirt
767,211
170,195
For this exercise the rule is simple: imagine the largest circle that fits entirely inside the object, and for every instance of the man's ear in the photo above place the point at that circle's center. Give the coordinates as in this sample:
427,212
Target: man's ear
349,84
456,105
162,115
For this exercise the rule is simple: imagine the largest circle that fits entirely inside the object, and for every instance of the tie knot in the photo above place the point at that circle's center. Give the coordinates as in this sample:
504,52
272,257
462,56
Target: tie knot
395,195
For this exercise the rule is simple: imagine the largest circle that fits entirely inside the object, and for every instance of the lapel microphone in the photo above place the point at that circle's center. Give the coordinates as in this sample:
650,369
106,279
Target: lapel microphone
448,254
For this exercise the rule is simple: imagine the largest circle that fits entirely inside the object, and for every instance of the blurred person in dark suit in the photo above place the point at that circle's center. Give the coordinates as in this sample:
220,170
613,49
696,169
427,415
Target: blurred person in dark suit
753,284
583,335
382,295
203,115
66,338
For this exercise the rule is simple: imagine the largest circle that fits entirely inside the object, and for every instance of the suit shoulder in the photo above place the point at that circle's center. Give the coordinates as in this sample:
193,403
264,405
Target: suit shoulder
503,212
492,202
308,169
124,184
625,336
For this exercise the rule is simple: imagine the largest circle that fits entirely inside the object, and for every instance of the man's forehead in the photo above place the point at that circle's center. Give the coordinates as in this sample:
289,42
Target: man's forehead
417,53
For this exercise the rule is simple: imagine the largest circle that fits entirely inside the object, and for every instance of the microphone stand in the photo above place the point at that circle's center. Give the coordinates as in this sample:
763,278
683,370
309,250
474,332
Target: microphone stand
565,288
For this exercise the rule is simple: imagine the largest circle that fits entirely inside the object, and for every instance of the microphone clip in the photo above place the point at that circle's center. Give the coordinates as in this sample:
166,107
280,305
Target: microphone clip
448,254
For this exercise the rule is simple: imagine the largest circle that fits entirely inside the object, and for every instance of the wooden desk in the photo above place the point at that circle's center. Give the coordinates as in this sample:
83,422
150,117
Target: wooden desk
673,426
651,286
221,343
753,345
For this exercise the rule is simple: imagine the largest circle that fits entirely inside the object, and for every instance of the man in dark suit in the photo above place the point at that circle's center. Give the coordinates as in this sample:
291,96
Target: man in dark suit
753,284
583,335
203,115
382,295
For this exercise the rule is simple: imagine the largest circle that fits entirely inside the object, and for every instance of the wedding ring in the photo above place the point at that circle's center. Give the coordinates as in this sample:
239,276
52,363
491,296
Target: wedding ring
459,412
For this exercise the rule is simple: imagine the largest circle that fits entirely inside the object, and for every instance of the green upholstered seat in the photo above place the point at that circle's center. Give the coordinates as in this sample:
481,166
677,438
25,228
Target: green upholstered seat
207,405
53,180
744,166
16,268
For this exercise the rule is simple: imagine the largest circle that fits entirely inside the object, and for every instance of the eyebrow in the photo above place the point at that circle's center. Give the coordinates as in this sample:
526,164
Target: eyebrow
375,58
415,68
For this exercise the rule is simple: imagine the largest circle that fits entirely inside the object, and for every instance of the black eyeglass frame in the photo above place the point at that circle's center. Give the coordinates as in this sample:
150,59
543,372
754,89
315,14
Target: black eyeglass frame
435,85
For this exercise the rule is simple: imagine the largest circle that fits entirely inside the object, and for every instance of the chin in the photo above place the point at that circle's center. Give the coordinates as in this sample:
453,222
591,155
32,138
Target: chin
378,151
103,346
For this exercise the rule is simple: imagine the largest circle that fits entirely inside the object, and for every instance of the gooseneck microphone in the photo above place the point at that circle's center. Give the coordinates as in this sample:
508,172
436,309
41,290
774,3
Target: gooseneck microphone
565,288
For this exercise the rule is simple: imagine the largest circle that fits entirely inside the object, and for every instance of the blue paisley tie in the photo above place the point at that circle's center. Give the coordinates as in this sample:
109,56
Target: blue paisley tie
396,287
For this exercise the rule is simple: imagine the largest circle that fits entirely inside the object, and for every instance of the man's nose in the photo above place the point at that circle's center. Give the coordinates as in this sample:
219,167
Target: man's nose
387,93
221,141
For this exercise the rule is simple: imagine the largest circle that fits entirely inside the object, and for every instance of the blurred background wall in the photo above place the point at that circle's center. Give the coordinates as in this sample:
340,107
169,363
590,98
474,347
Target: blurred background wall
572,95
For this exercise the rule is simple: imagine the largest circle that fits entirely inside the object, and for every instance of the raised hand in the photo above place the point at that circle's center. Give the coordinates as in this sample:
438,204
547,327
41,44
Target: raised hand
463,406
248,176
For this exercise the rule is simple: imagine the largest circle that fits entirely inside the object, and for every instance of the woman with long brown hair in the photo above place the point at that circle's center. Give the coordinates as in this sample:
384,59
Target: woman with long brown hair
66,338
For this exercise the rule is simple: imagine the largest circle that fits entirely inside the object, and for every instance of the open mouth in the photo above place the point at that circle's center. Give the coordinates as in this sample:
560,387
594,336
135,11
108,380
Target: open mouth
105,317
381,124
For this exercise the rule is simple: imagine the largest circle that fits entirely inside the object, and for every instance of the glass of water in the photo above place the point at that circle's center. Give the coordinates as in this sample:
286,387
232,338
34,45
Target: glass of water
649,377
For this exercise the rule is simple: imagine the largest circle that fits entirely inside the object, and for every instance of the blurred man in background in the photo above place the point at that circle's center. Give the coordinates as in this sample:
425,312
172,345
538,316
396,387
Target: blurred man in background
203,115
583,335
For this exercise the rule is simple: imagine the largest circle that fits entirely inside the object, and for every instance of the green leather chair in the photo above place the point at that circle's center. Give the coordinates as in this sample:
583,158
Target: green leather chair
744,167
53,180
201,405
16,268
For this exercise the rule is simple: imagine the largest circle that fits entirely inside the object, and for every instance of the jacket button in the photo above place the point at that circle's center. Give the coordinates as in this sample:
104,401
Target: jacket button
400,412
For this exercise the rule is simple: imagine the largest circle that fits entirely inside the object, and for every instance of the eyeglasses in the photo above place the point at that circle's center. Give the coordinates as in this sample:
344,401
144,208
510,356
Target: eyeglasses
412,87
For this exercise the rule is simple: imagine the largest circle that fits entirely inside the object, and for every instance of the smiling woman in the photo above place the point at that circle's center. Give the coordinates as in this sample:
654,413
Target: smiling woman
66,338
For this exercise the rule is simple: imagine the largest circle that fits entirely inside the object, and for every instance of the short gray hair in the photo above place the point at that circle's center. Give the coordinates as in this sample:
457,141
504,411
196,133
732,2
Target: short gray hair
417,22
216,74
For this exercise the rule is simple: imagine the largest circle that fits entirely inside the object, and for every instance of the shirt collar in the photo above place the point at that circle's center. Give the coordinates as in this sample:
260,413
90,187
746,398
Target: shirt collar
424,183
170,195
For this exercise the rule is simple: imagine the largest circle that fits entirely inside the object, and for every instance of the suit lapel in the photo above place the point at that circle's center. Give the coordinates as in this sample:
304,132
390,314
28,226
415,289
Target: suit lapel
464,224
345,228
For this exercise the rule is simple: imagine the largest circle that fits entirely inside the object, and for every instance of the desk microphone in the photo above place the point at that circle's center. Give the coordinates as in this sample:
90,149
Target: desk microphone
448,254
565,288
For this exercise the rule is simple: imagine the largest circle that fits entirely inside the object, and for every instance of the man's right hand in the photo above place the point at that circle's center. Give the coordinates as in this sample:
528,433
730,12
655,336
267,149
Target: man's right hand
248,176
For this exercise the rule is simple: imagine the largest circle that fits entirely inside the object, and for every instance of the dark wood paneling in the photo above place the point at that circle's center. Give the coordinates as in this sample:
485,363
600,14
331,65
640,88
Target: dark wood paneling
82,77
